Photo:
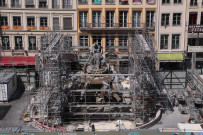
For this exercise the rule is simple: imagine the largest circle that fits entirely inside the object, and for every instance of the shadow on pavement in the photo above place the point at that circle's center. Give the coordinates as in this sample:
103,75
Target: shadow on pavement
3,111
19,91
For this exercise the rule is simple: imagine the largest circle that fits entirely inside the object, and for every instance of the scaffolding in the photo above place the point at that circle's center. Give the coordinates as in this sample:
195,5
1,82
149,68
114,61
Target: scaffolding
99,91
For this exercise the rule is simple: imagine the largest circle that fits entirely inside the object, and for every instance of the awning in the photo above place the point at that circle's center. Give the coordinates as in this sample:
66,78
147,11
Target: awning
7,60
170,56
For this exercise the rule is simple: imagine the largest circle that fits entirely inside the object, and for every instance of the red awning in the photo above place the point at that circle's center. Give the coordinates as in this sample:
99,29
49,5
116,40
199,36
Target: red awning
6,60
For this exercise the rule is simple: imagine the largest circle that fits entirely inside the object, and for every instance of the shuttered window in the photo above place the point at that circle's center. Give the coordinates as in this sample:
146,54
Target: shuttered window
67,23
55,23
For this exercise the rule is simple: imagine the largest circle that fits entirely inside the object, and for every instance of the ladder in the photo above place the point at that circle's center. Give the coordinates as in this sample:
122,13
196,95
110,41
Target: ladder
4,96
53,43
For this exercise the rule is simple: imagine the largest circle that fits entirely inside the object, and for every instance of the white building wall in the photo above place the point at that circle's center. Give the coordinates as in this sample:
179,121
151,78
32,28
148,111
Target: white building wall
170,29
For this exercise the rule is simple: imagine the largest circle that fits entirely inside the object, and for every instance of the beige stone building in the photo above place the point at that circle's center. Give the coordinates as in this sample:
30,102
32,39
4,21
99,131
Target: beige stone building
23,22
170,34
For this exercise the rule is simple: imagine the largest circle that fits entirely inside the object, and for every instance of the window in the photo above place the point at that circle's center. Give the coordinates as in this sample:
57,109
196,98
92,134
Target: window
110,1
96,1
123,2
43,22
83,20
67,23
55,4
31,21
193,18
165,19
30,4
18,43
84,42
137,1
176,18
136,19
165,1
123,18
177,1
16,21
68,42
42,3
56,23
67,4
4,21
32,43
2,3
110,18
109,43
164,42
15,3
193,2
201,22
150,19
123,41
192,41
96,15
97,40
5,43
175,41
82,1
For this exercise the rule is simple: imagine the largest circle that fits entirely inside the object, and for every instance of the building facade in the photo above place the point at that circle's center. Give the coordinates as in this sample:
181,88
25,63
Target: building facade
171,34
23,22
111,22
194,34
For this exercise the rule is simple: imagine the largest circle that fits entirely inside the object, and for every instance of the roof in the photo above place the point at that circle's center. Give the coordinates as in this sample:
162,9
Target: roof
23,60
6,76
170,56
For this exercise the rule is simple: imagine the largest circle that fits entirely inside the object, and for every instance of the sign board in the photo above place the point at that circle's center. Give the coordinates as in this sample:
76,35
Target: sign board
195,48
195,29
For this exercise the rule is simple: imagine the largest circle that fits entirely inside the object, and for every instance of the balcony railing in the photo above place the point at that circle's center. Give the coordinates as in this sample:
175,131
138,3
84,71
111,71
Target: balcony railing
19,48
4,27
32,48
17,28
6,47
114,26
55,6
123,2
3,5
31,27
82,1
110,2
30,6
17,5
43,6
67,6
197,28
194,4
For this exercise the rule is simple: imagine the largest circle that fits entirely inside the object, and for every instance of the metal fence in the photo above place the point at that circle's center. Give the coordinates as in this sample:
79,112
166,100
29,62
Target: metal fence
173,79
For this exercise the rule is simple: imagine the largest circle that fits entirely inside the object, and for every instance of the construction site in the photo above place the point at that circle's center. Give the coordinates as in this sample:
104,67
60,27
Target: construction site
72,97
78,91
